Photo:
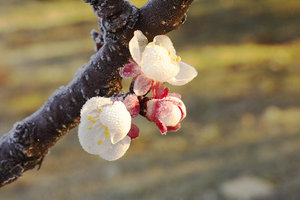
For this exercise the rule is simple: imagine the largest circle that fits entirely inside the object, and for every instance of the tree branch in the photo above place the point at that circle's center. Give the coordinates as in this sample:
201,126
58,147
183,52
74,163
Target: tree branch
25,146
160,17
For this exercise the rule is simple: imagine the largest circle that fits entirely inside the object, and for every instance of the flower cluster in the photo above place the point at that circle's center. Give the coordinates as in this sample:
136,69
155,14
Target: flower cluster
105,128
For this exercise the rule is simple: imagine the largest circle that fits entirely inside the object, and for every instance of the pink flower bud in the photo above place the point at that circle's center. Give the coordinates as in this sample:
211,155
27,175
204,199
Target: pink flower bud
132,104
134,132
159,91
167,113
130,70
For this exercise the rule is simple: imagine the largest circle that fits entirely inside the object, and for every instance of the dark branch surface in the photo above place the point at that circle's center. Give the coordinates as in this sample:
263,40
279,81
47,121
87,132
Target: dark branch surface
25,146
160,17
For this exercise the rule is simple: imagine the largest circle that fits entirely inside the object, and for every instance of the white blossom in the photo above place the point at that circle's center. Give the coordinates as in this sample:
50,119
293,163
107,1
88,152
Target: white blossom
103,128
158,60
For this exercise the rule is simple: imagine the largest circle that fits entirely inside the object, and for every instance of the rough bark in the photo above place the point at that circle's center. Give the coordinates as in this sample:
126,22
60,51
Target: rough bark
27,143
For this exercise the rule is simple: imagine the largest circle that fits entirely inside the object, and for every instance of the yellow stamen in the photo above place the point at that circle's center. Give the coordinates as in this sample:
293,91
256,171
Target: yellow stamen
169,52
160,44
91,119
106,133
151,44
101,126
176,58
100,142
99,109
90,128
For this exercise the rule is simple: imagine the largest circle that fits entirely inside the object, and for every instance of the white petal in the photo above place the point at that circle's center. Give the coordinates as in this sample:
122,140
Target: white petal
182,106
89,138
172,118
185,75
165,42
142,85
115,151
157,64
137,45
93,104
117,119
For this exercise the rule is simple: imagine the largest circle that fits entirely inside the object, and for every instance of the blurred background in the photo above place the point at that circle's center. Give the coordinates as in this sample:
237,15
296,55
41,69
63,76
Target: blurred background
240,140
